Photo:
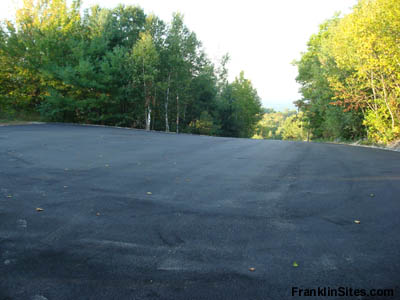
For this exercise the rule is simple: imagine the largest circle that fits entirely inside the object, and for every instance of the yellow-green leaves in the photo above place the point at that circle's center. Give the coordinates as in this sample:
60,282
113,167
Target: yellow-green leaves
353,63
365,45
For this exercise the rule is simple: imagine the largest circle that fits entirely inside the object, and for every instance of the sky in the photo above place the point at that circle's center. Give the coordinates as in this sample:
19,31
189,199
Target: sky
262,37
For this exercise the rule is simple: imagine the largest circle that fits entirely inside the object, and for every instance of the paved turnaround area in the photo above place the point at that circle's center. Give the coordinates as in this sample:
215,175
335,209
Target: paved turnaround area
129,214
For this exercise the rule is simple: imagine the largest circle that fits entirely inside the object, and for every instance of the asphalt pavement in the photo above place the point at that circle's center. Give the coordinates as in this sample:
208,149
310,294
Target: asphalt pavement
106,213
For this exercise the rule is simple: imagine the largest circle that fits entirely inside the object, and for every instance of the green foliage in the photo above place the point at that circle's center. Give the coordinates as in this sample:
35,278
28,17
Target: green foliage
287,125
315,69
349,78
59,108
239,108
205,125
117,67
293,128
378,123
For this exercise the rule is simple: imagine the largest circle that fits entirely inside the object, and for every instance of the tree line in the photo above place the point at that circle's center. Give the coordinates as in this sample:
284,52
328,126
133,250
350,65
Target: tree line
350,75
118,67
286,125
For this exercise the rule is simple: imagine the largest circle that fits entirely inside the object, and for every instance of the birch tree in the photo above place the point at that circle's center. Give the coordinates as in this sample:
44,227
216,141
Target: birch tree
146,59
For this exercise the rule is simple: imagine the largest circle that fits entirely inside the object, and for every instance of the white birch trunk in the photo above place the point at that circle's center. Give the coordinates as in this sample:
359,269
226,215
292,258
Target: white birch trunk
148,119
177,113
385,96
166,105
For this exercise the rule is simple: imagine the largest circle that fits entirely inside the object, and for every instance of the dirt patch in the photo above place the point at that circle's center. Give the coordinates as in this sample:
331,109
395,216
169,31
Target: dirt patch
394,145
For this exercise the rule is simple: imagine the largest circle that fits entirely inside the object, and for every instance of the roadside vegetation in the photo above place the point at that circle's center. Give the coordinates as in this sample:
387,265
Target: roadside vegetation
118,67
350,82
122,67
350,75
